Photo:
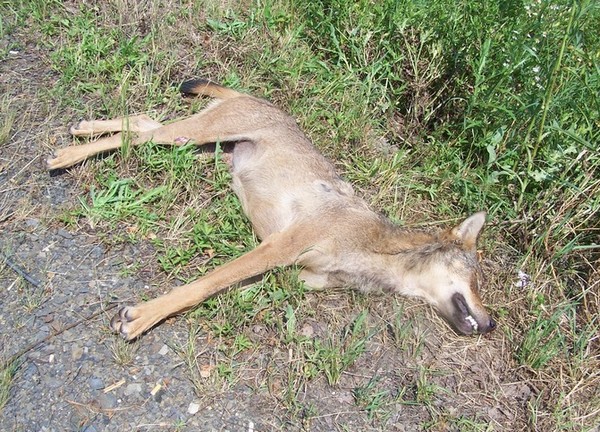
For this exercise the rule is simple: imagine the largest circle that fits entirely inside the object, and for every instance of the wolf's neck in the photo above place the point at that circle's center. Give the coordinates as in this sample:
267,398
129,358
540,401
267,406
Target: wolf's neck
393,259
389,239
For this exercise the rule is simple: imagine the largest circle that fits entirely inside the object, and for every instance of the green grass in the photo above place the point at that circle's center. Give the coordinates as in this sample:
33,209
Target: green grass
431,109
334,355
373,400
7,376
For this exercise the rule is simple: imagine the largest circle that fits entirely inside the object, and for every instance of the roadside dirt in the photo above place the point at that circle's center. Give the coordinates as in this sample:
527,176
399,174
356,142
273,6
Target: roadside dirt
73,381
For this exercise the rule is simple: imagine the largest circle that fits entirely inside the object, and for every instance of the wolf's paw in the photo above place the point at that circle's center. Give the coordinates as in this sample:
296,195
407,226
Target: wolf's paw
64,158
83,128
131,321
126,322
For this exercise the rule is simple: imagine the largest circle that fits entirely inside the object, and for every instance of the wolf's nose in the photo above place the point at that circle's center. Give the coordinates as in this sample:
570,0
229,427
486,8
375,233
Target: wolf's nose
491,325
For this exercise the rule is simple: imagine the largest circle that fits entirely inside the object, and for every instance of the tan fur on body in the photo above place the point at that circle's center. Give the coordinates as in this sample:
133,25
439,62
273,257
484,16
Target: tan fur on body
304,213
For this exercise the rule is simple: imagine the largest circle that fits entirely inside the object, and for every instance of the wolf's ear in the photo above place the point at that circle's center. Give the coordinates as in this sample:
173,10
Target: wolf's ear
468,231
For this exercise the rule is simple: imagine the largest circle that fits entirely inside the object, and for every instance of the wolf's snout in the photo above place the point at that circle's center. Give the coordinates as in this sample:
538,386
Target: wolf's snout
468,320
490,327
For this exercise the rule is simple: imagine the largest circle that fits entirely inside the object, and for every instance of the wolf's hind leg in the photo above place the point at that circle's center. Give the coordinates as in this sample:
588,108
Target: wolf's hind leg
68,156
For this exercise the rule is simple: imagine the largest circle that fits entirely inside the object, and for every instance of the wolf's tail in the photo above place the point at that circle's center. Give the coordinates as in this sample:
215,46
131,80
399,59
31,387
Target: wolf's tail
208,88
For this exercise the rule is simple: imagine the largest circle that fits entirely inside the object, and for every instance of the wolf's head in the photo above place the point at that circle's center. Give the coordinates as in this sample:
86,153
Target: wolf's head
449,277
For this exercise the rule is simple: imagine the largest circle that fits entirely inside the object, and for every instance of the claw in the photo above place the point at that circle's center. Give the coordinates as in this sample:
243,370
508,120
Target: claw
68,156
79,129
115,323
59,159
128,322
119,322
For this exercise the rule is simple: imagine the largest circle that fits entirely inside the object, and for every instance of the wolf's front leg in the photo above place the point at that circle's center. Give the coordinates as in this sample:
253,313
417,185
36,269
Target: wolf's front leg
279,249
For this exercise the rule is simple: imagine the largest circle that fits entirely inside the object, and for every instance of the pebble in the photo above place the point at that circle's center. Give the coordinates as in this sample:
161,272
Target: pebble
164,350
49,349
64,234
30,371
259,329
53,382
133,389
149,370
176,415
76,352
158,396
107,400
97,252
32,223
96,383
307,331
193,408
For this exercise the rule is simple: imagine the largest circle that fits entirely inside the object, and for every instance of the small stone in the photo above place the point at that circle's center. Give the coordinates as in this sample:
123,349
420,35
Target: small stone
64,234
307,331
97,252
176,415
193,408
495,413
49,349
164,350
96,383
32,223
107,400
30,371
205,370
260,330
76,352
133,388
53,382
158,394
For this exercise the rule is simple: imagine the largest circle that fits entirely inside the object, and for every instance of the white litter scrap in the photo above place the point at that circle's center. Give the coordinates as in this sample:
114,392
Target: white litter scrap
524,280
156,389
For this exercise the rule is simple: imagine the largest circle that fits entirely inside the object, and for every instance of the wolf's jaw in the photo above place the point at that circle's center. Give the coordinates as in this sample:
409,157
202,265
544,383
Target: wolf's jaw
464,320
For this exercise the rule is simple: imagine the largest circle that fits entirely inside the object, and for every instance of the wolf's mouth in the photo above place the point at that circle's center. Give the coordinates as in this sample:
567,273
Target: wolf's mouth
463,319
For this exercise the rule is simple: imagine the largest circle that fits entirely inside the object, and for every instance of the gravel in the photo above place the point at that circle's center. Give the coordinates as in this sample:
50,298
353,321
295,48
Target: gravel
71,381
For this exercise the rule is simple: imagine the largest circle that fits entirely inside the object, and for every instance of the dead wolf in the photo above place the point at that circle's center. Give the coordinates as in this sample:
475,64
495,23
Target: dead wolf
304,213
